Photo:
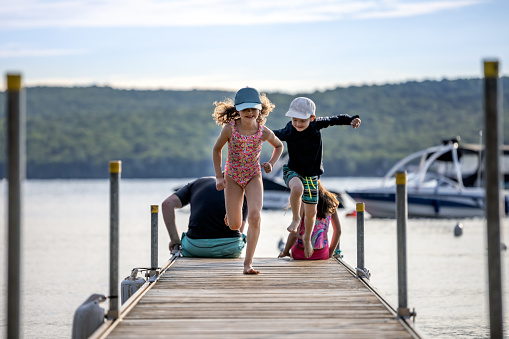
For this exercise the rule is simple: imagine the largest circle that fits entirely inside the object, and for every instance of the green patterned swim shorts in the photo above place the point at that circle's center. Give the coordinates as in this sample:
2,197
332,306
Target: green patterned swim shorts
310,195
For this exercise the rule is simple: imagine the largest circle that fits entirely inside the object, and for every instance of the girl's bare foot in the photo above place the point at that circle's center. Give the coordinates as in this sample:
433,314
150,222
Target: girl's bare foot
294,226
248,269
308,246
283,254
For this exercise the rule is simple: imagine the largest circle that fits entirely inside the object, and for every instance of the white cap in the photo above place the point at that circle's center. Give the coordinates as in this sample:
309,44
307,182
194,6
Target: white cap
301,108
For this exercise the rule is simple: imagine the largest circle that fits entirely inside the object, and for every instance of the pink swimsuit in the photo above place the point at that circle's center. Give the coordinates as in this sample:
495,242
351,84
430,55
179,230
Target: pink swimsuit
319,239
243,161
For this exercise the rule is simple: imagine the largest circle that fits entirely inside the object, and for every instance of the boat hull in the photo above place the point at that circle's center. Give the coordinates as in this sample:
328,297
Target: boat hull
381,203
276,200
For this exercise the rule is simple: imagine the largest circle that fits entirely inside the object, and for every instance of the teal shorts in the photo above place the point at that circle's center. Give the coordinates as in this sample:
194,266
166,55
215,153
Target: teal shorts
310,195
213,248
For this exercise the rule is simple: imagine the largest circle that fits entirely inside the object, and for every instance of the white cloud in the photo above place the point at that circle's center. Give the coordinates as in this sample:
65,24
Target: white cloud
25,52
393,9
151,13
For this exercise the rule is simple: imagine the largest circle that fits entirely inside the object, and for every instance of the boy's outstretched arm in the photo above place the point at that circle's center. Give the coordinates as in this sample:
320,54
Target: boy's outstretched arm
341,119
356,122
269,136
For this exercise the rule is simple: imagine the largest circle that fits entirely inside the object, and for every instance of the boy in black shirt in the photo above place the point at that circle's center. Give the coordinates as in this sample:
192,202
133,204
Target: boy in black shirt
304,142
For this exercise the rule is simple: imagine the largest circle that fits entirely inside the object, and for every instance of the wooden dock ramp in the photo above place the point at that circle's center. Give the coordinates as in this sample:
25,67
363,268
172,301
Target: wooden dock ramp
211,298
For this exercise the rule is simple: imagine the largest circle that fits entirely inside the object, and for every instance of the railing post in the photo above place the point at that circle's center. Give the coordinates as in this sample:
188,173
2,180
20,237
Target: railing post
115,169
402,215
361,270
15,176
493,201
154,238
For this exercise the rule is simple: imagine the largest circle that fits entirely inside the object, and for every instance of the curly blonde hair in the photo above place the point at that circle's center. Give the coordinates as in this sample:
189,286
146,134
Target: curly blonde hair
225,111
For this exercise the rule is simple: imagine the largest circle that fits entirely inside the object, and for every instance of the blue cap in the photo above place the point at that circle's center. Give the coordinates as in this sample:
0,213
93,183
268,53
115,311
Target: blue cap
247,98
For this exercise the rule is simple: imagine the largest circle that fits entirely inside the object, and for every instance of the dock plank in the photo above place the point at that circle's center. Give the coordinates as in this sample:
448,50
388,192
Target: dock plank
211,298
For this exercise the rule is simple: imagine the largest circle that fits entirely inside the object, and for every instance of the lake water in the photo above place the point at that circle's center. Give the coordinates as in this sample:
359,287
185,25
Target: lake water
65,254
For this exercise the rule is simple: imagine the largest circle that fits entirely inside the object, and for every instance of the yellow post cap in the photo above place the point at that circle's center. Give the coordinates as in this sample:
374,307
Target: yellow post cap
14,82
154,208
115,166
491,69
401,178
360,207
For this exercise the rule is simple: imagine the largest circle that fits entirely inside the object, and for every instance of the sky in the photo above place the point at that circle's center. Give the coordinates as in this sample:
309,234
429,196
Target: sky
290,46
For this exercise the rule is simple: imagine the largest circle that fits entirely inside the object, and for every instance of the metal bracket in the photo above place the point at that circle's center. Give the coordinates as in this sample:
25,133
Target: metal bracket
363,272
404,312
152,274
337,254
177,251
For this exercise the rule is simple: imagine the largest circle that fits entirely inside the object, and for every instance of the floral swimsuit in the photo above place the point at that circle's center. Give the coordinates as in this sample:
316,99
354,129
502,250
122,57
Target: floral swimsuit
243,161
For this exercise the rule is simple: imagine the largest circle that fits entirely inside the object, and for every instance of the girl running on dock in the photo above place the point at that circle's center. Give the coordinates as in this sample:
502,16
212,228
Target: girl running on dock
325,215
244,130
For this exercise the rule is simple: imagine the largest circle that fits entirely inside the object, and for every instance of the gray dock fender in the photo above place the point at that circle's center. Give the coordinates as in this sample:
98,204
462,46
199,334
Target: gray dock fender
88,317
130,285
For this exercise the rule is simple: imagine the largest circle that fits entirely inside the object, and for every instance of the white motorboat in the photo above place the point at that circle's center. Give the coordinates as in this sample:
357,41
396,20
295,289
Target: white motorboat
443,181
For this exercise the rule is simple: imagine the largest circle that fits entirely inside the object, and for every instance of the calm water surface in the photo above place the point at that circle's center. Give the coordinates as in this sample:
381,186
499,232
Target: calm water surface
65,254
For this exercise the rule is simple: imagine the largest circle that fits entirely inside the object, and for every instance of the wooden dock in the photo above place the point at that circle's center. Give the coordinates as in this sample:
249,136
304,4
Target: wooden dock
211,298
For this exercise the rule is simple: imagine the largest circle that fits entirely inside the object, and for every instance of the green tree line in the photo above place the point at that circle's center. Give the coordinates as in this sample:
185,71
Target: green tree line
74,132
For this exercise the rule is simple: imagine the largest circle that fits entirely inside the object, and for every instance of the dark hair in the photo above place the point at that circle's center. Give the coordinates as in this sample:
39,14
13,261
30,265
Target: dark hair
225,111
327,202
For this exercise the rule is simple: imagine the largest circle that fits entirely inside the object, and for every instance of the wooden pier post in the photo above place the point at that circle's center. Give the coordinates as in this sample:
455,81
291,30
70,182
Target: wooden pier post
115,169
154,209
493,197
402,216
360,270
15,175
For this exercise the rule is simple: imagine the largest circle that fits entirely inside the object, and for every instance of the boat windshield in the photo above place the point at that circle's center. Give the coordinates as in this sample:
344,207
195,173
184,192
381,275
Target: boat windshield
433,180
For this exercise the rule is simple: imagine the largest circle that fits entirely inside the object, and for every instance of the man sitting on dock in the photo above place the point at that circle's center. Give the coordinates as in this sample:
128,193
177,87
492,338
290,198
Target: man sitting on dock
207,235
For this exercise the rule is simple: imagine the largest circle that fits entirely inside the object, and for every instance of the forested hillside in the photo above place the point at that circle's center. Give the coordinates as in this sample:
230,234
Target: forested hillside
75,132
